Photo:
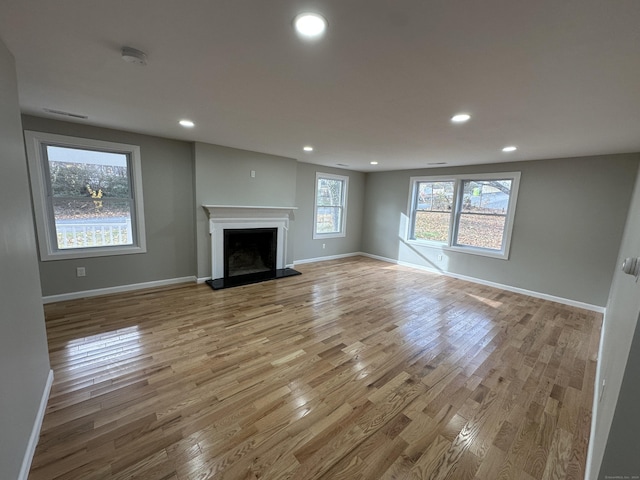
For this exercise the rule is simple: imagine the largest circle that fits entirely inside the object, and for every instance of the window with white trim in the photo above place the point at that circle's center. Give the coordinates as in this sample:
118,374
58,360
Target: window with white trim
87,196
467,213
330,210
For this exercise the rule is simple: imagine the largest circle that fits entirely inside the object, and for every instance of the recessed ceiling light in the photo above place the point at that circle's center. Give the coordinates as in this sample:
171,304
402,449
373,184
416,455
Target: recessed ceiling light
187,123
460,118
510,148
310,25
373,163
308,148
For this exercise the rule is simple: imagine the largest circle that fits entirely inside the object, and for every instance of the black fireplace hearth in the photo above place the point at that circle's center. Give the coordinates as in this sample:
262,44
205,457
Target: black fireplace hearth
250,257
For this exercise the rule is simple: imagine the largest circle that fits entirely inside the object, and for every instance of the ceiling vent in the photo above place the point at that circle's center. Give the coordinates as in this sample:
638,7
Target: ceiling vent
65,114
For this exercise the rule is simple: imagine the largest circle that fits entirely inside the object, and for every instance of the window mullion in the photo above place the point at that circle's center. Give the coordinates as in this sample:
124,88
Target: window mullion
455,213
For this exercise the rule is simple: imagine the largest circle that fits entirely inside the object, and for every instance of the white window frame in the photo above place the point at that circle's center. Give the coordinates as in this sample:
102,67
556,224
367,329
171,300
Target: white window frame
35,143
457,209
342,232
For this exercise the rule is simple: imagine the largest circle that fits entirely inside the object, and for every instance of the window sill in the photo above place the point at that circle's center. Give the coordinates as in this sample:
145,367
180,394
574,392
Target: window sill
478,251
320,236
90,252
469,250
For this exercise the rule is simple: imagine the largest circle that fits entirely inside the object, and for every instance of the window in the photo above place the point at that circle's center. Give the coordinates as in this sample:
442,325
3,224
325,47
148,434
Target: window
433,210
87,196
470,213
330,208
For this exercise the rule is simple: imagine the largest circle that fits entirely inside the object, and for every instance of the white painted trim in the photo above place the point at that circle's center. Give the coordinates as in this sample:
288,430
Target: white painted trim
329,257
509,288
456,211
594,408
121,288
230,217
241,211
45,228
343,227
35,431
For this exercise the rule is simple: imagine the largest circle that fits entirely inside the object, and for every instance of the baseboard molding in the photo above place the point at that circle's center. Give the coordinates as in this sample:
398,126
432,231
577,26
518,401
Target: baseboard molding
328,257
35,431
119,289
509,288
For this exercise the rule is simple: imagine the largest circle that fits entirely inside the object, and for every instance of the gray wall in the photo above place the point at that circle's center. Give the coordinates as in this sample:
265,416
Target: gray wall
305,247
568,225
24,358
223,177
167,178
618,352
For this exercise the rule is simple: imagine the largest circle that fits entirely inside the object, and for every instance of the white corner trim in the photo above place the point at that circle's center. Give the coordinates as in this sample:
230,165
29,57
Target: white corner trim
35,431
121,288
328,257
509,288
590,466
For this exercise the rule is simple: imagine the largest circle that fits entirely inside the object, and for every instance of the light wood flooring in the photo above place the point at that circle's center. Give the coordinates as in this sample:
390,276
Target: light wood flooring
357,369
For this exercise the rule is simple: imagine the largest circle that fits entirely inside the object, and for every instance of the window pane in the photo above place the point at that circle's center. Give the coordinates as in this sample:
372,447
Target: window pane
433,211
432,226
483,213
86,223
483,231
329,192
76,172
329,220
487,196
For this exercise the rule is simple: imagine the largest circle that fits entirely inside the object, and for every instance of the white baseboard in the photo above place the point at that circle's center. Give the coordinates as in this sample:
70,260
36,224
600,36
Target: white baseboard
35,431
122,288
509,288
328,257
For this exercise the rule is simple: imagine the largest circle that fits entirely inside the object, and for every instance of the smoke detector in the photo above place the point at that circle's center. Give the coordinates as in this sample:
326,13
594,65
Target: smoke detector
134,56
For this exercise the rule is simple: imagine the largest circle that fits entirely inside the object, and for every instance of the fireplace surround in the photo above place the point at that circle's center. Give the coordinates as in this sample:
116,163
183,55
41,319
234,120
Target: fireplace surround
230,218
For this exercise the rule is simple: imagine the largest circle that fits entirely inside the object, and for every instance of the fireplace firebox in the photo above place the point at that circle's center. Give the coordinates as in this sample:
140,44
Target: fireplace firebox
250,251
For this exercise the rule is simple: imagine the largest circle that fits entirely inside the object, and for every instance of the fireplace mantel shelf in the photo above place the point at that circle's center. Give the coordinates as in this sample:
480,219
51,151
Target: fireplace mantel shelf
248,207
244,211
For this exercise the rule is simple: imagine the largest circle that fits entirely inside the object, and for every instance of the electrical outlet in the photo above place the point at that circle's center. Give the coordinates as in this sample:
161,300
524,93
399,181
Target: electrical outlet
604,383
439,258
253,174
81,272
324,245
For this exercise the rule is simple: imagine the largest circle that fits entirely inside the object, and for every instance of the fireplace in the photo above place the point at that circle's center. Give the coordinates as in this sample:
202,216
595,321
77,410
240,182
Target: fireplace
248,244
250,251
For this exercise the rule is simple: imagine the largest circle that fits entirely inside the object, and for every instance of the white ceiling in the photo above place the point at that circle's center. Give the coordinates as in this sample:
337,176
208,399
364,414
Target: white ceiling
558,78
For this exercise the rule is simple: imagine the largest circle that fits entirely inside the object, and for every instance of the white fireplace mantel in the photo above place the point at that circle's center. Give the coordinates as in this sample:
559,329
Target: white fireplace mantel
222,217
242,211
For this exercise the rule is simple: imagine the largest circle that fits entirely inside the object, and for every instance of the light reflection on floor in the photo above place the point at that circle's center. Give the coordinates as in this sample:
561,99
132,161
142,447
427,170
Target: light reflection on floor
110,346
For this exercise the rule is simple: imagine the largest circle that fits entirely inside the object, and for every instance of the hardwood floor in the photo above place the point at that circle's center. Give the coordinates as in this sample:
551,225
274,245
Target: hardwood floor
356,369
